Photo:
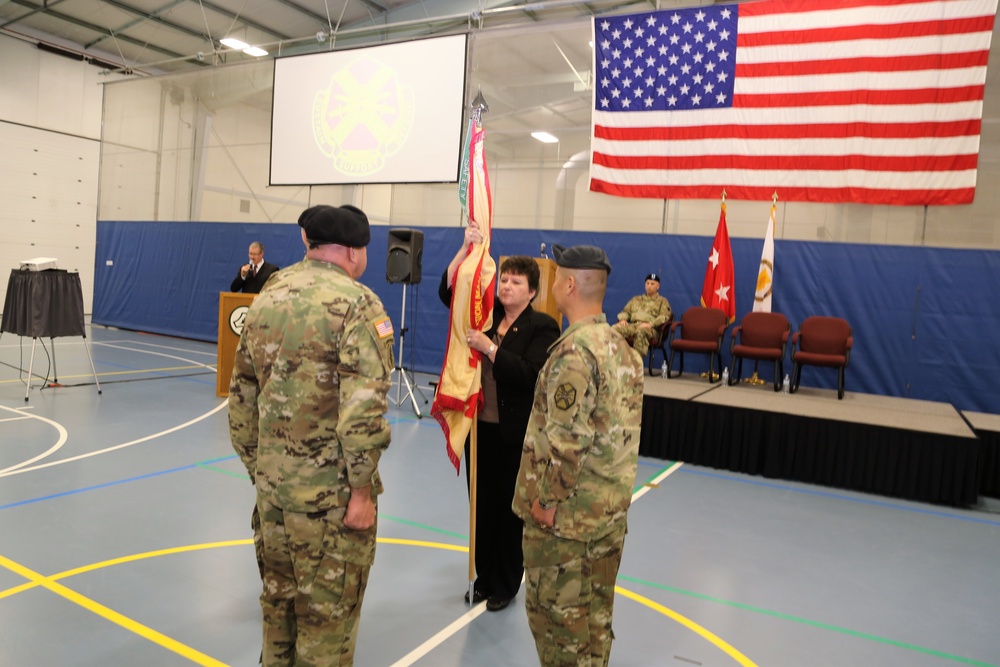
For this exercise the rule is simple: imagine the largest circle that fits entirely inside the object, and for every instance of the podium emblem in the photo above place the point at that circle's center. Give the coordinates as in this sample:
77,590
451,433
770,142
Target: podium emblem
237,318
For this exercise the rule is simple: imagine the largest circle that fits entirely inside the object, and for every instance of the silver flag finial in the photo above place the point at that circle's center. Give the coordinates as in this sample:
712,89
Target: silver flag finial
479,107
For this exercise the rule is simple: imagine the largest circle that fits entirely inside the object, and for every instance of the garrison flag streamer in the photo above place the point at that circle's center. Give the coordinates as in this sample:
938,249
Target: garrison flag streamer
765,276
865,101
459,391
717,291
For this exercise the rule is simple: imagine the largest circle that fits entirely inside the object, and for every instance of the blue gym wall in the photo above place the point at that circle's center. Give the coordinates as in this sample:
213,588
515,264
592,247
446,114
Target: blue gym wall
925,320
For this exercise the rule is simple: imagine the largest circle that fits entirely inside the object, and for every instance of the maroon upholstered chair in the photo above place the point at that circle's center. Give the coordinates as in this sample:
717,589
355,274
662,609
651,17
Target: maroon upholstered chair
822,341
700,330
761,337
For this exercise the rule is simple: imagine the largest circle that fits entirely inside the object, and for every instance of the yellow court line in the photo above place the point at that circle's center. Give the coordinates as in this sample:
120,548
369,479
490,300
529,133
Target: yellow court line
195,656
134,372
119,619
421,543
722,644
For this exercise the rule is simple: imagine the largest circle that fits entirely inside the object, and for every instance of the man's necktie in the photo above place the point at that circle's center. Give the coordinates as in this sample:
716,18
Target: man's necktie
253,270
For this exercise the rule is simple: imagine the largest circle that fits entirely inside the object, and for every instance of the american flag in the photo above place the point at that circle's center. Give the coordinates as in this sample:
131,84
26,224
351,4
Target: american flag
383,328
867,101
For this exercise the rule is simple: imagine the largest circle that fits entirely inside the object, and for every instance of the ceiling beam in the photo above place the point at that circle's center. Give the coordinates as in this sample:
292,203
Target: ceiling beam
144,17
32,12
98,29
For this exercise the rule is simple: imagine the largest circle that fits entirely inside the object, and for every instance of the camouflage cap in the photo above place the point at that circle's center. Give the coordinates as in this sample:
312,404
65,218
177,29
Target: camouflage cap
581,257
345,225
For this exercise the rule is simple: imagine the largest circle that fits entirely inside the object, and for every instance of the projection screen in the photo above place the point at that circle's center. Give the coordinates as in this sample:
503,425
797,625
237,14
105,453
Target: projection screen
380,114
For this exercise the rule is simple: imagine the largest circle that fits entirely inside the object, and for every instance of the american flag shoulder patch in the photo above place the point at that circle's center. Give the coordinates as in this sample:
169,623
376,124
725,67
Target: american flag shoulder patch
383,327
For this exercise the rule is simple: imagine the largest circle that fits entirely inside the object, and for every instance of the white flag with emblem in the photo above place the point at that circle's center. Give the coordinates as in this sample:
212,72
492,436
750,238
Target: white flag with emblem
765,276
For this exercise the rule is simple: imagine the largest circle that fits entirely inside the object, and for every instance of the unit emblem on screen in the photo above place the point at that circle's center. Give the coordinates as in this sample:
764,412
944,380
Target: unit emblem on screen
236,319
364,116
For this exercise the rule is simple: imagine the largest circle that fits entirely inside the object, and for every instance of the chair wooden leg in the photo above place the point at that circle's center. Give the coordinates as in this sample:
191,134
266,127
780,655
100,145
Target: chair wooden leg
840,383
711,367
796,376
738,374
778,377
670,365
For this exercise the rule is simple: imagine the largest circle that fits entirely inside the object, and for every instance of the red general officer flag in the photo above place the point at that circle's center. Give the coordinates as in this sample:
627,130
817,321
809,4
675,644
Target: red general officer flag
718,289
459,391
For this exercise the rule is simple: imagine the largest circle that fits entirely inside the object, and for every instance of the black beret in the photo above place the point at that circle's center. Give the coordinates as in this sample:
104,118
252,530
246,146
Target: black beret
345,225
653,276
581,257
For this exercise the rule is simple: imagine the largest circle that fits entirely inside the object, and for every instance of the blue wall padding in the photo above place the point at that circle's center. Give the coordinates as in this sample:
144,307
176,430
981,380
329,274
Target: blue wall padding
925,320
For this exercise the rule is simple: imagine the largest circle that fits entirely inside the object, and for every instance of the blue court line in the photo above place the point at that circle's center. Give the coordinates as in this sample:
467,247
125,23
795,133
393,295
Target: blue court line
838,496
115,483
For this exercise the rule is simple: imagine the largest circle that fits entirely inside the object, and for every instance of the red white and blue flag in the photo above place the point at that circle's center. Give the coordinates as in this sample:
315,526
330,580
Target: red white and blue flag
867,101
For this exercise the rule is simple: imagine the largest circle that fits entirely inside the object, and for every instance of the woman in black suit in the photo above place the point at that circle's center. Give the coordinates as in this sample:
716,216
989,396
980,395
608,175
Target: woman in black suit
514,350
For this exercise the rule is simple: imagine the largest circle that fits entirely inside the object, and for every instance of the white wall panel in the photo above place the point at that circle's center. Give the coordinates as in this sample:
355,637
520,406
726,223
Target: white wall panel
48,183
48,91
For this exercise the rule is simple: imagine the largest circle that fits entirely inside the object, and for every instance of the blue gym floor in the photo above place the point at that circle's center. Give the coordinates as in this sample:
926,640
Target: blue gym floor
125,540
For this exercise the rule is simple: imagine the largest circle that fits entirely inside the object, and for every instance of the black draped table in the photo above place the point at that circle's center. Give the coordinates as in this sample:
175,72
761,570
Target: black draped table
45,304
987,427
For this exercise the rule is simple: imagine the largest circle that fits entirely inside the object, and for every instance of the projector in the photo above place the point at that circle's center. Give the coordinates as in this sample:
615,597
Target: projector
38,264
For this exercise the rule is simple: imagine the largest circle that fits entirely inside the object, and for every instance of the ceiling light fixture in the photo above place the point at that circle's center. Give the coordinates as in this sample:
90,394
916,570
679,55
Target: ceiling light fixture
545,137
234,43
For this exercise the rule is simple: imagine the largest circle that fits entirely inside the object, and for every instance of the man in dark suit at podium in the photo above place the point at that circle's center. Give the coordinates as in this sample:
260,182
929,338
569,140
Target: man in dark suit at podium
251,277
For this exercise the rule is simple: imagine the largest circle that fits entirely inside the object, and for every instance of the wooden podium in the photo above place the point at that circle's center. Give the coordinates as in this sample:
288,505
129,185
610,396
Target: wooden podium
233,308
544,302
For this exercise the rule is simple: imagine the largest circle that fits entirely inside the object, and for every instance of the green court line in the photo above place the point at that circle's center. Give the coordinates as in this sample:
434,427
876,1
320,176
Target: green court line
239,475
406,522
649,479
815,624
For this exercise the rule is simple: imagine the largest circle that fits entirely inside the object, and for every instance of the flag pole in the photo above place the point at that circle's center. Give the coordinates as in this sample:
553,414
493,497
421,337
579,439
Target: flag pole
479,109
473,464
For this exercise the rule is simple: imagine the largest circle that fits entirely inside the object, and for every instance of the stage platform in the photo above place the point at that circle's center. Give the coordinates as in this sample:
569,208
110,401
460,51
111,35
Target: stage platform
918,450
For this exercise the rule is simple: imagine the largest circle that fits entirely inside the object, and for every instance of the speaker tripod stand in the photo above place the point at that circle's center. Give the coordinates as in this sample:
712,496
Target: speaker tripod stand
404,376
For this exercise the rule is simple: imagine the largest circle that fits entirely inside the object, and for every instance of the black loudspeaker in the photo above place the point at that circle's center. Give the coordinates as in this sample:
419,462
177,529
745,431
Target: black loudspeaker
406,254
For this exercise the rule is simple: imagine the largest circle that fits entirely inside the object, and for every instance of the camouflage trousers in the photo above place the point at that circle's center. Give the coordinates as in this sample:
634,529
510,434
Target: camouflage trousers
570,596
315,575
640,336
258,540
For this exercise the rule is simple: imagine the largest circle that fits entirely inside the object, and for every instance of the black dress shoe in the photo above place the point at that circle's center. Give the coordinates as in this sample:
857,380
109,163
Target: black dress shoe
496,604
477,597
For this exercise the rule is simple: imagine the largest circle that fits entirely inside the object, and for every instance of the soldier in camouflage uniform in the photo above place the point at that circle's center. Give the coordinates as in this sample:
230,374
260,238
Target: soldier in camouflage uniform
578,465
307,408
643,315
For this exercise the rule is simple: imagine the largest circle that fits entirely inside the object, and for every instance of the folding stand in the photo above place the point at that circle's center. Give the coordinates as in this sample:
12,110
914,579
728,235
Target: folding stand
55,370
405,375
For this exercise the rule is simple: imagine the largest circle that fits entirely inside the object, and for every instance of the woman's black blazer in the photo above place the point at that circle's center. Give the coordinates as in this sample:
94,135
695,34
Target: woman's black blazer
519,358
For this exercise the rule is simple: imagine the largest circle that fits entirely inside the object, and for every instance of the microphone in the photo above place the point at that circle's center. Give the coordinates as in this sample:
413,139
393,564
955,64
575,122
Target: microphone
543,251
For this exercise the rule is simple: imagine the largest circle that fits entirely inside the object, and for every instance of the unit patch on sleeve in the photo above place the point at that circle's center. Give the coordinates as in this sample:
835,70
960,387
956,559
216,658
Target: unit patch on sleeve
565,396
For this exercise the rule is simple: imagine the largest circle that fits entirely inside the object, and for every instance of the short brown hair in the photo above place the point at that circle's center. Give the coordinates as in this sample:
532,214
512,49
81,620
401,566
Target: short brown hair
522,265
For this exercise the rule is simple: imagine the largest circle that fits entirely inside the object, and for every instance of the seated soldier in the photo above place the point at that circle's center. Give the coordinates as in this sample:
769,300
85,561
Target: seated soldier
643,315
